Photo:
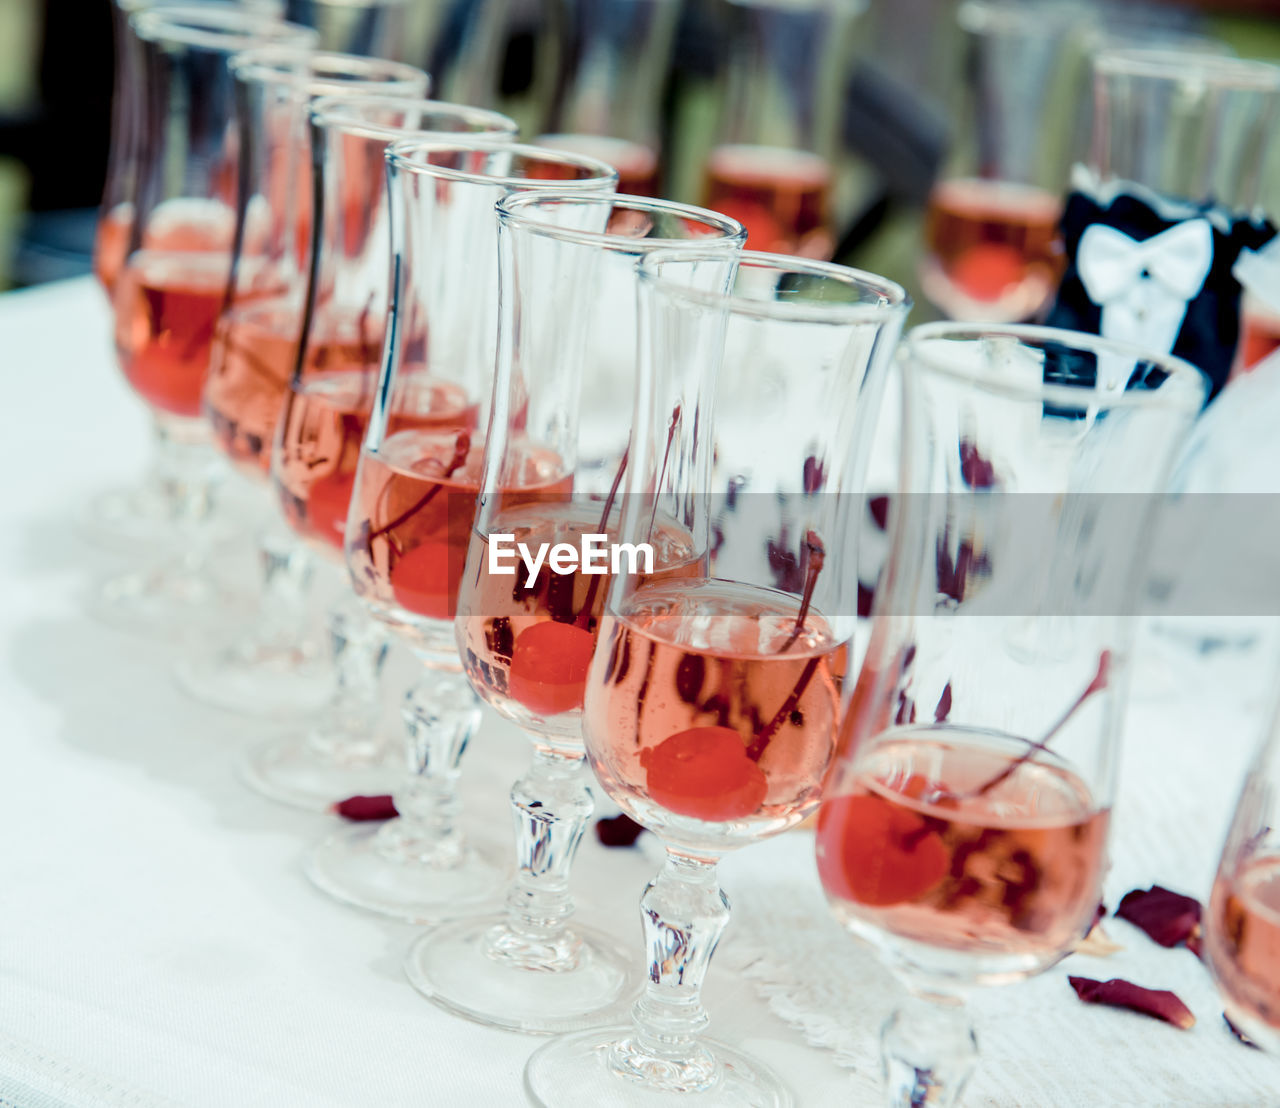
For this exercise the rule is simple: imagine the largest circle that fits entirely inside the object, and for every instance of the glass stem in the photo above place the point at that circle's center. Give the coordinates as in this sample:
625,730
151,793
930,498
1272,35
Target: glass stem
349,735
929,1051
441,713
287,571
684,912
184,470
551,805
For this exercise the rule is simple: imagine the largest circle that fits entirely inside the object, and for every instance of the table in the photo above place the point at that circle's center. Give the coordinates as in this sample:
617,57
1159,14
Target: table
159,944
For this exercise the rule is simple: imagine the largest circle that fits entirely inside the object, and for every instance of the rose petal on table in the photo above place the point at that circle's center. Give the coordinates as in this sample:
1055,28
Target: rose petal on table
1240,1035
620,830
1167,917
1160,1004
365,808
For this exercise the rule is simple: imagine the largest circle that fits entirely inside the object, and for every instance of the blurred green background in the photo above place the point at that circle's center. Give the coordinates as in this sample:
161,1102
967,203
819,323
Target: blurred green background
911,42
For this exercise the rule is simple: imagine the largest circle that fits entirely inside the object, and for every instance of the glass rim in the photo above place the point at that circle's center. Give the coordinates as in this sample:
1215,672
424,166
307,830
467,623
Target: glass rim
896,299
277,64
1063,395
401,156
512,213
1044,17
1186,67
225,28
339,112
265,7
850,6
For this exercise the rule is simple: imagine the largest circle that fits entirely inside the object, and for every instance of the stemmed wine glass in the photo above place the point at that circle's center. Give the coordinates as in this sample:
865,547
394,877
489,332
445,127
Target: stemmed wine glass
413,495
713,695
142,514
992,248
173,281
609,97
963,826
325,406
273,667
1242,925
774,164
322,413
568,298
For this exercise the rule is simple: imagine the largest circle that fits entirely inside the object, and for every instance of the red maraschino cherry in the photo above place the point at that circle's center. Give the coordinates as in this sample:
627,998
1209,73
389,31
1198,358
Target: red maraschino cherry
986,270
876,852
706,773
549,665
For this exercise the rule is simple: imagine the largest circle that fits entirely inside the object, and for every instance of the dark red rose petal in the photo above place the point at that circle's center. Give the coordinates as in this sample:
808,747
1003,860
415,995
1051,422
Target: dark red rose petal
1244,1038
1167,917
879,508
620,830
1160,1004
362,808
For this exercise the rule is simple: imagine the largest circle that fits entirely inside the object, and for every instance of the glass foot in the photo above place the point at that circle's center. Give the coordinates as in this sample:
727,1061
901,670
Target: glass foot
172,601
474,969
376,868
130,519
606,1068
293,771
261,679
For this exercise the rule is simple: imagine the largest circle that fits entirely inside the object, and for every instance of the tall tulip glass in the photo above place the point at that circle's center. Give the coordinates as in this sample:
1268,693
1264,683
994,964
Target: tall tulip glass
963,826
713,694
568,297
274,667
1242,926
141,515
173,281
327,399
413,493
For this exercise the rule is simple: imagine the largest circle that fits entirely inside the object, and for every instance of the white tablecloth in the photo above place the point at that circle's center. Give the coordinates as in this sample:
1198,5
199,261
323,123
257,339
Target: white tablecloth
159,944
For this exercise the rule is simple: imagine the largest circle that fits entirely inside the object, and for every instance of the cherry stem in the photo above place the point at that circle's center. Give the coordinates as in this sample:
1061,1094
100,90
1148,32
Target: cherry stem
583,618
362,323
1099,682
817,556
766,733
460,452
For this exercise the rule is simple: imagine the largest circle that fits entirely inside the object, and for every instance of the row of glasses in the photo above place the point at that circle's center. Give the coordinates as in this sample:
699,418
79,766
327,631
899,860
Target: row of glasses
413,495
737,613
